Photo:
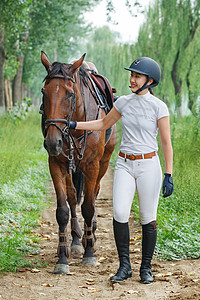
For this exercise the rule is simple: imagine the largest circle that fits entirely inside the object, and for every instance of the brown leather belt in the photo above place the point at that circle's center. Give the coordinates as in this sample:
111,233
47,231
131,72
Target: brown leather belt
139,156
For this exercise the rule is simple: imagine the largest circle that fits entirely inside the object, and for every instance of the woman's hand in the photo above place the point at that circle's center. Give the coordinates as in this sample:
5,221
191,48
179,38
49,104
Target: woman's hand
72,125
167,185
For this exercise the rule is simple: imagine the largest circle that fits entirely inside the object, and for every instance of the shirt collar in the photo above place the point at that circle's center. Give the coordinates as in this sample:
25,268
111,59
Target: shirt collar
145,96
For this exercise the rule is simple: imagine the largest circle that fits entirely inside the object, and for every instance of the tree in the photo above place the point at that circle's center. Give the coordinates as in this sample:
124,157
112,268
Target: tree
14,16
27,25
167,35
2,62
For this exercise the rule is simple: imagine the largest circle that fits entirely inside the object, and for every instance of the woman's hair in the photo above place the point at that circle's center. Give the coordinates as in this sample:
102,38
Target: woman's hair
151,92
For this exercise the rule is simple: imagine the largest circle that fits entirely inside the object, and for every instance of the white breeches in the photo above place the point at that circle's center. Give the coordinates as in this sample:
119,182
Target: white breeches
145,175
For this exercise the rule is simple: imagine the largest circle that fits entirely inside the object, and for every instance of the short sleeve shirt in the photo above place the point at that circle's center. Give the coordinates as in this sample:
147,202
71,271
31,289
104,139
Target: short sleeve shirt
140,114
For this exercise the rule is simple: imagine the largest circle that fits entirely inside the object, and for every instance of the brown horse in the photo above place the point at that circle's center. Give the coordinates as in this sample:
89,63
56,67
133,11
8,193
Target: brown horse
68,94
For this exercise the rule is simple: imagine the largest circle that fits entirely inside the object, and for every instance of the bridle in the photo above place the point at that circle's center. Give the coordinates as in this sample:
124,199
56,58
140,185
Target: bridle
65,121
65,131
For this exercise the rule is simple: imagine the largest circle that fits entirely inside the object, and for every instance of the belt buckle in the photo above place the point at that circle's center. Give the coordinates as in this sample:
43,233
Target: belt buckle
125,157
134,156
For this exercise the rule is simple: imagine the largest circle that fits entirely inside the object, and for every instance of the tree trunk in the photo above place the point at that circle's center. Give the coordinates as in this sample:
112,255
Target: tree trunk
176,81
24,91
8,94
17,83
2,61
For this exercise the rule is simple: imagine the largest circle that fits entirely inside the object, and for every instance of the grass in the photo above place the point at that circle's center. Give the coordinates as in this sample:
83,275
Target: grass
23,185
178,215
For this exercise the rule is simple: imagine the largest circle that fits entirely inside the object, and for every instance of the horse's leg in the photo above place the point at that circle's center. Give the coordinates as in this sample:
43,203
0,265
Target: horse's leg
76,230
104,162
88,210
59,174
103,166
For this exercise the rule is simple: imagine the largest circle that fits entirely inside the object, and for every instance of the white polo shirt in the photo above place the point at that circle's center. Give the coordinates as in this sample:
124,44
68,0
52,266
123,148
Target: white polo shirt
139,120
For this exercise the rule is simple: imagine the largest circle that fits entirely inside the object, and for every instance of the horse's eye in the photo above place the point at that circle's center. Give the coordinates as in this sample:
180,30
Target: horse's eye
70,95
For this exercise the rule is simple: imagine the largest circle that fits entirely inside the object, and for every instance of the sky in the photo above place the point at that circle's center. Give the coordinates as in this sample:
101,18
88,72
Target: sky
128,26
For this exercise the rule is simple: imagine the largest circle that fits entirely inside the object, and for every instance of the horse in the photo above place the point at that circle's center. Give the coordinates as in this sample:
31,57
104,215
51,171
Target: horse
77,159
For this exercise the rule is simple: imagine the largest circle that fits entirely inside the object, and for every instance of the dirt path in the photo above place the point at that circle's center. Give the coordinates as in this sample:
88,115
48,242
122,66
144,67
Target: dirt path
174,280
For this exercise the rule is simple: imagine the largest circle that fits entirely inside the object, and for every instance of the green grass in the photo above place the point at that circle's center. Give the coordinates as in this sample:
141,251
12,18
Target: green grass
23,185
178,215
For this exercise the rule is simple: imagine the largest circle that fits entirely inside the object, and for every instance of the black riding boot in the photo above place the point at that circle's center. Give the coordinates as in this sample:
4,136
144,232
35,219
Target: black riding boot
121,234
149,236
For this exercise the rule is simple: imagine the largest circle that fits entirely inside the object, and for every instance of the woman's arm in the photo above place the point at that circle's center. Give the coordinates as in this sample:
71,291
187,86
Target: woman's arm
108,121
164,131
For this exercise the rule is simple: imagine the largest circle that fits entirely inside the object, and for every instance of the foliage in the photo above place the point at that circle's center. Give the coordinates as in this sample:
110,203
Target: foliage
23,177
109,57
11,66
170,32
30,26
178,215
134,8
19,111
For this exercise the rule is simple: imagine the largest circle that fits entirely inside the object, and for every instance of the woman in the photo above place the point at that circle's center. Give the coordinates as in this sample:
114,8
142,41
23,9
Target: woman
138,165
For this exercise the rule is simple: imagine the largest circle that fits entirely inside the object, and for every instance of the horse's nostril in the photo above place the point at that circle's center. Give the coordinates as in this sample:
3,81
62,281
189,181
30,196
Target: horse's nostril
60,142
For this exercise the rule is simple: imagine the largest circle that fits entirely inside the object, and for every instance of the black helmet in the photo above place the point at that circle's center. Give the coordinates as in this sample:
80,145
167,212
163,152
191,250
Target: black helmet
149,67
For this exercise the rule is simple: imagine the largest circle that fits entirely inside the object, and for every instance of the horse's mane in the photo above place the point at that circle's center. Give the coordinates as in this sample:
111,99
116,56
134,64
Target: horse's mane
60,68
83,72
56,68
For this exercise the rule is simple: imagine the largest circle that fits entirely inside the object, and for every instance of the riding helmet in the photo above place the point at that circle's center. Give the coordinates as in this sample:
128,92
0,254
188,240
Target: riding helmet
146,66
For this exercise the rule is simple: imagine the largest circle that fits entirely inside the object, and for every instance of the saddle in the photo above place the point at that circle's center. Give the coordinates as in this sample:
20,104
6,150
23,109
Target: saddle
104,87
105,95
105,92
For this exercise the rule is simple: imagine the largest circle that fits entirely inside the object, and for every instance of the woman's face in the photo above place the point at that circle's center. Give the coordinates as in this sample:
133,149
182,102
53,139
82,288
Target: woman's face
137,81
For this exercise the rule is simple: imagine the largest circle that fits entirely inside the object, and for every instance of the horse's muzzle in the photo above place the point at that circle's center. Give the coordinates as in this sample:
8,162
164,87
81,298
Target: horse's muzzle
54,147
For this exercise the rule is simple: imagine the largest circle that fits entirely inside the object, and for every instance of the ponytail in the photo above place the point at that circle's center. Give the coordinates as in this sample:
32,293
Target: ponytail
151,92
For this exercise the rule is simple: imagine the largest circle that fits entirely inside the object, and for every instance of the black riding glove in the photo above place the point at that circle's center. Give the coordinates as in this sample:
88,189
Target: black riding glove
72,125
167,185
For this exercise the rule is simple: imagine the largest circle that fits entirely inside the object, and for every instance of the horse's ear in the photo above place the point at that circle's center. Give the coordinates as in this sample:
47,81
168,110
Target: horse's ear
76,65
45,61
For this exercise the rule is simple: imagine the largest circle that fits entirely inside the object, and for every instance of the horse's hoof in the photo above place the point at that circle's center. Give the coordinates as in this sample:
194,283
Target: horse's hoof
91,261
61,269
76,250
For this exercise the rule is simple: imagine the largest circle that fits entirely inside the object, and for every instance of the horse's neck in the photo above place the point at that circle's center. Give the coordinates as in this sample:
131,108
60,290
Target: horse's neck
86,106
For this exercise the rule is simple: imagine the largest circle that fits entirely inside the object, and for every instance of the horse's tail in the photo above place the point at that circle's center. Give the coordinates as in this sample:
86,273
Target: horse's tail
78,181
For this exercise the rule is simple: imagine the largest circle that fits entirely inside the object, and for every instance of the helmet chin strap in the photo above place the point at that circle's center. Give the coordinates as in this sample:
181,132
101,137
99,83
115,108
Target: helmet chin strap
143,87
